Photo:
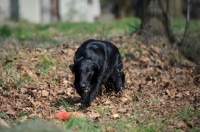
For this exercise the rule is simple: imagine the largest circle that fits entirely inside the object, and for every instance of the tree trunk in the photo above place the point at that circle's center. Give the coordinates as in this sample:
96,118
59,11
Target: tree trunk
175,8
155,19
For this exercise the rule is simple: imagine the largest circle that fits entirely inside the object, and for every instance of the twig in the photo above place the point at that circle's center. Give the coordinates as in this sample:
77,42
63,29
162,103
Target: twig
187,23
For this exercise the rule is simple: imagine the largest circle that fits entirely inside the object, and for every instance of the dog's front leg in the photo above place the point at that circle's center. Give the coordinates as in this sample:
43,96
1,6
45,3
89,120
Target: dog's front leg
81,93
92,93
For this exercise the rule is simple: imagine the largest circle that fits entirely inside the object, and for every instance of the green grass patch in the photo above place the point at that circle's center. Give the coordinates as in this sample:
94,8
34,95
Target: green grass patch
81,125
102,111
98,29
151,125
23,113
65,104
187,113
47,61
2,115
45,64
121,125
13,77
178,25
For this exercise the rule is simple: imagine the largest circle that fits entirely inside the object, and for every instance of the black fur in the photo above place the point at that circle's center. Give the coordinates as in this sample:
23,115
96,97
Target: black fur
95,63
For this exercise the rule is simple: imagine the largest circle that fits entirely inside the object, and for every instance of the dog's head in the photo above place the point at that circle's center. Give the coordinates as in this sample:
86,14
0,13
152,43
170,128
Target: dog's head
84,71
118,78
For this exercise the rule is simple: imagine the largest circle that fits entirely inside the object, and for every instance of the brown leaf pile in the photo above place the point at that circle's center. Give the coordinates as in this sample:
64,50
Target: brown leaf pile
33,80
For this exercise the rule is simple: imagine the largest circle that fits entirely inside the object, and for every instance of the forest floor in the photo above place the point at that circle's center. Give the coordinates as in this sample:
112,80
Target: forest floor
161,93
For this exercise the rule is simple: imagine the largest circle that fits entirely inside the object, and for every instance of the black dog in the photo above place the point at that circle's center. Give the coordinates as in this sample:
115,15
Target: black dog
97,62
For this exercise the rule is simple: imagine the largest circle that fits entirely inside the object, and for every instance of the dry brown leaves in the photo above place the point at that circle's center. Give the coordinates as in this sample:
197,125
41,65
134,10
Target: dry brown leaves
154,84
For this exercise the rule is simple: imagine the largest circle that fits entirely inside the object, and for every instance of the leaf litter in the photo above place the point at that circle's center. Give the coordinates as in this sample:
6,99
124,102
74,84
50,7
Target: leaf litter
156,84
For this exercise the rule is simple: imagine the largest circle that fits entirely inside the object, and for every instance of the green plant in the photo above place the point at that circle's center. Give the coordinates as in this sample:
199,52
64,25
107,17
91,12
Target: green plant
23,113
134,26
2,115
5,31
65,104
2,84
44,69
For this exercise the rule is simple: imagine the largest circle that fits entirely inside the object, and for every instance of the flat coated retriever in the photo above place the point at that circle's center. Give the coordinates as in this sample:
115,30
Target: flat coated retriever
97,62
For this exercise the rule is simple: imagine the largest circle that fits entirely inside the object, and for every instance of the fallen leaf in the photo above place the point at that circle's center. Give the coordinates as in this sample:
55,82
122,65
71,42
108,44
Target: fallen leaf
45,93
94,115
107,102
179,124
110,129
116,116
122,110
124,99
145,59
179,95
11,112
187,93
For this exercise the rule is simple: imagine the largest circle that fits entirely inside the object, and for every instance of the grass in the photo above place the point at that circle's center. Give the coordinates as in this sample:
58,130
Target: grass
99,29
187,113
65,104
47,61
178,26
151,124
5,31
2,115
13,77
23,113
102,111
81,124
192,45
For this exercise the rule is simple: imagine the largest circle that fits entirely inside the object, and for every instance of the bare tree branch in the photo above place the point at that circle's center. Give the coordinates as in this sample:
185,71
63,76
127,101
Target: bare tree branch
187,22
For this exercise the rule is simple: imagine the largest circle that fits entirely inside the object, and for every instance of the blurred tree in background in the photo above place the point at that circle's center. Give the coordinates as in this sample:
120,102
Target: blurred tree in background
122,8
175,8
155,19
194,10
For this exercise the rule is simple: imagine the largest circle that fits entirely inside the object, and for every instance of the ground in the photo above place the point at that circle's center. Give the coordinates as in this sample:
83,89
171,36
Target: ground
161,93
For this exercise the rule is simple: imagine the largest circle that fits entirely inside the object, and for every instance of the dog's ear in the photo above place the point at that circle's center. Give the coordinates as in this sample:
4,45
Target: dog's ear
71,67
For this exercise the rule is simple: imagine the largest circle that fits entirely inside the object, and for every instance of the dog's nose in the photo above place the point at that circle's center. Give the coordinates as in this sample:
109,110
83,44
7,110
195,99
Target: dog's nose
83,85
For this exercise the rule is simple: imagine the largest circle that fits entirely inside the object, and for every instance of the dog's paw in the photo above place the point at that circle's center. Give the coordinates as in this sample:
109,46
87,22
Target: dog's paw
86,103
118,89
